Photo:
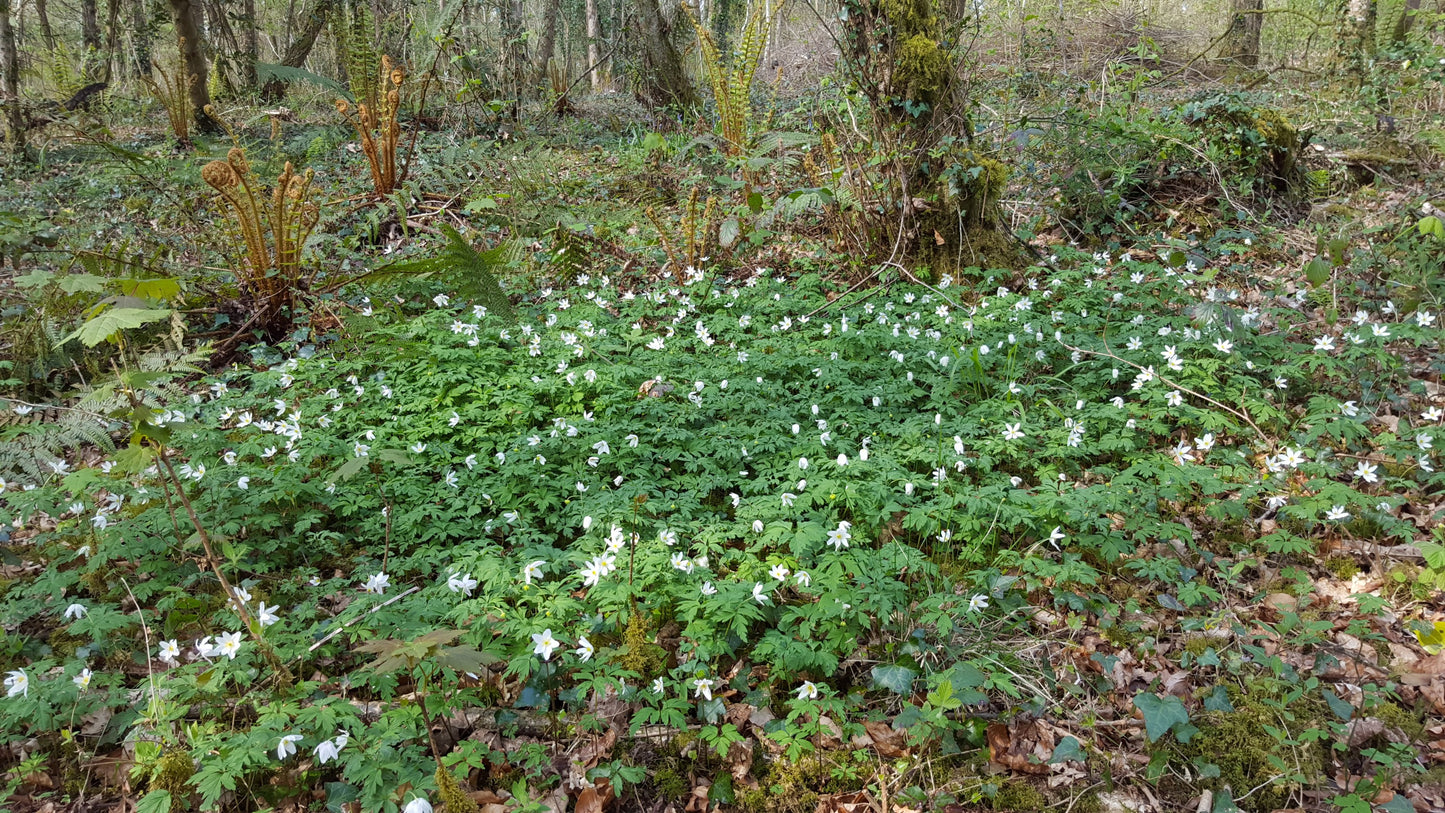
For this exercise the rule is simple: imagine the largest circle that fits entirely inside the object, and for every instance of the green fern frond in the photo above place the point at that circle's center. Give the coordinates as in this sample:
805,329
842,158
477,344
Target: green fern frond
478,270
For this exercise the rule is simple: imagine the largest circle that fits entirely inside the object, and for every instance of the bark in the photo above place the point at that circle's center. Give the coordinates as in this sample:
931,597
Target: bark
594,47
514,54
663,82
193,59
141,34
112,36
1241,45
547,44
42,14
252,45
10,80
300,48
90,40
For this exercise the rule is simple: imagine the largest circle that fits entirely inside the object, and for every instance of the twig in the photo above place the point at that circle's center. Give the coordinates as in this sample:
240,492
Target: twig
1110,354
343,627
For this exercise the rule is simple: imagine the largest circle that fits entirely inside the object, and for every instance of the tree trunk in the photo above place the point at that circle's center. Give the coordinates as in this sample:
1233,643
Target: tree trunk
547,45
663,82
112,36
299,49
514,53
141,33
1241,43
10,80
42,13
594,47
252,45
90,40
193,61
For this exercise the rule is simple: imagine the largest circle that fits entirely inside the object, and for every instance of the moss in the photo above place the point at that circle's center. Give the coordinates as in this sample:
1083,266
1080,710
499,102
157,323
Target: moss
921,72
794,787
1395,716
1198,645
173,774
1343,567
1019,797
63,644
669,784
1089,802
1239,743
449,791
639,653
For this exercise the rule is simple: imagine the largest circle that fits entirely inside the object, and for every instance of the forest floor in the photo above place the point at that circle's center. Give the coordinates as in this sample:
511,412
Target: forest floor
1151,524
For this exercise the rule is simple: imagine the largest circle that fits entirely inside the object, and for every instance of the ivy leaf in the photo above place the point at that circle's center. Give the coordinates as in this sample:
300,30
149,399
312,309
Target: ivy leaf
1339,705
896,679
1398,804
1218,700
1160,714
1067,750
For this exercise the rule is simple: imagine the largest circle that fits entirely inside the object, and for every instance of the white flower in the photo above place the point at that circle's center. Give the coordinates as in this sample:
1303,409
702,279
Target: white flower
328,750
708,589
1224,345
82,680
17,682
1424,441
1056,536
1337,513
1365,470
228,644
840,536
1325,343
788,499
244,483
267,615
169,652
544,644
1012,431
532,571
1424,318
75,612
703,688
417,805
461,583
977,603
584,649
808,691
758,595
377,583
1349,409
287,745
779,572
1204,444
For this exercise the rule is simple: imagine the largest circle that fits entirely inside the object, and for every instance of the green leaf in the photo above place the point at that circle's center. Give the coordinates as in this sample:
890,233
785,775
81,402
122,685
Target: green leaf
158,289
1339,706
480,205
114,320
1224,803
896,679
1317,271
466,659
1398,804
1161,714
157,801
1431,226
266,71
1218,700
75,283
727,232
1068,750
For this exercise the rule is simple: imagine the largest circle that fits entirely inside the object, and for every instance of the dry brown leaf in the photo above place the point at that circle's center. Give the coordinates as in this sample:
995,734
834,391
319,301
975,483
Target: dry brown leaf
887,742
856,802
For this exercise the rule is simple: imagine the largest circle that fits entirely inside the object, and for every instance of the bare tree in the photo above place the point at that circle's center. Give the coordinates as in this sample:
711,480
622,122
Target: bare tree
663,82
594,47
300,48
42,15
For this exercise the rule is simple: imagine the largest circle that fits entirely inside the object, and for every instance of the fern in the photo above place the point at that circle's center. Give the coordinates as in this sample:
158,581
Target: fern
27,450
478,270
354,31
1388,15
266,71
732,84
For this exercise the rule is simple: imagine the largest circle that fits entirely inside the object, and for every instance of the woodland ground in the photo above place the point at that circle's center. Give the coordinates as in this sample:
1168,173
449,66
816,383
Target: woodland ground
1152,522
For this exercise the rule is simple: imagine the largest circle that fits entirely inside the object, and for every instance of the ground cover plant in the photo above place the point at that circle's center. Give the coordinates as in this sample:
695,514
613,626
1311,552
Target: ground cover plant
959,431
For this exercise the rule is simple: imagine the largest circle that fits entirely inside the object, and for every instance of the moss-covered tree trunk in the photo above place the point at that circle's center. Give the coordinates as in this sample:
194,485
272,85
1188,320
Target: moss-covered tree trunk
942,201
188,33
1241,43
10,80
663,82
